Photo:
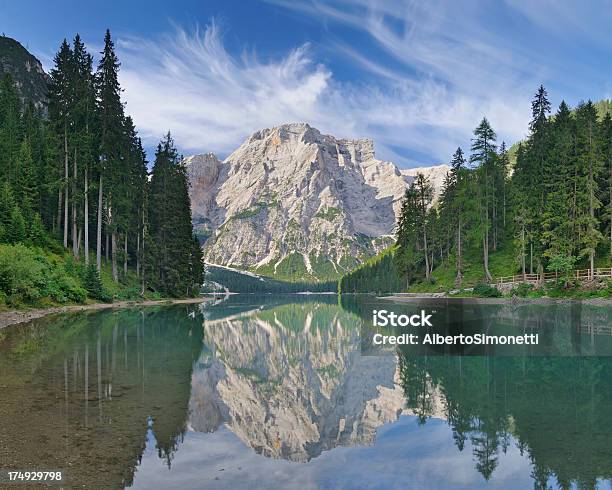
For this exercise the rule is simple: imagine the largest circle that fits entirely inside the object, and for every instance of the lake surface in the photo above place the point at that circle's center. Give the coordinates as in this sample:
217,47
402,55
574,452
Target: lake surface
281,392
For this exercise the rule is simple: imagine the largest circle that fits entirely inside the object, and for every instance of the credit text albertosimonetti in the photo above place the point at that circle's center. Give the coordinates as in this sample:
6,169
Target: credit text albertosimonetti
385,318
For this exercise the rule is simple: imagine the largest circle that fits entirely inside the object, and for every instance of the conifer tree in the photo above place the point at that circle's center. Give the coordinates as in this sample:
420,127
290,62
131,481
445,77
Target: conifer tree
173,258
590,168
606,153
61,100
483,155
10,128
111,131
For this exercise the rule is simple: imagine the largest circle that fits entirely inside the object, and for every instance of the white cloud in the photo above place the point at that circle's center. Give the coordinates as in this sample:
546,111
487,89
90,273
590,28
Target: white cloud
189,83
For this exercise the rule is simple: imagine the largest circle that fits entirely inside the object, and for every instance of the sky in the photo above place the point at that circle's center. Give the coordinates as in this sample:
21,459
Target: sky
414,76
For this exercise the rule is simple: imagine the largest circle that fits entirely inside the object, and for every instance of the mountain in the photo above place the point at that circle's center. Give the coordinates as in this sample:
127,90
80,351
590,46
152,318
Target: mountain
293,203
27,72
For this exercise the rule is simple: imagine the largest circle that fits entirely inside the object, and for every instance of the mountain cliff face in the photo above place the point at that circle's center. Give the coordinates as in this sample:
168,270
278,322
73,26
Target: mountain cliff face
27,72
294,203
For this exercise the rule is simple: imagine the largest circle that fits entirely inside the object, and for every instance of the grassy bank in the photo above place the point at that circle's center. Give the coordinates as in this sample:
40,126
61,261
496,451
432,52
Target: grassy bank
503,263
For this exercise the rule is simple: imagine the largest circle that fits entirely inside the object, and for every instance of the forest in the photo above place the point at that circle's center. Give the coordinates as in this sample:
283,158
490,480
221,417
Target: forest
81,216
543,205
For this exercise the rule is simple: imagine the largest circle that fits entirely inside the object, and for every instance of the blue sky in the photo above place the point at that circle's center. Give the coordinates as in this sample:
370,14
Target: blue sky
414,76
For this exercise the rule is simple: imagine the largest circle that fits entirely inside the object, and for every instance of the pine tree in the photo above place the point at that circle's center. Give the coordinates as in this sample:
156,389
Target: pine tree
16,230
10,128
590,169
25,182
407,257
61,99
606,153
7,204
111,123
483,155
556,227
172,252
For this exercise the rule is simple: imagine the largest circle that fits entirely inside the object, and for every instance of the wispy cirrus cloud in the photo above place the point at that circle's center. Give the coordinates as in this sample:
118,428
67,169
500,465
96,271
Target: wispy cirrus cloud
189,83
434,69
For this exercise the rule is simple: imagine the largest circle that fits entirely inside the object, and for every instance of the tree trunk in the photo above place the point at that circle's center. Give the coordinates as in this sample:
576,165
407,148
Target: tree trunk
79,239
114,255
143,274
86,217
138,254
459,275
125,255
530,257
523,251
426,253
99,227
485,257
592,185
59,210
66,190
485,247
75,241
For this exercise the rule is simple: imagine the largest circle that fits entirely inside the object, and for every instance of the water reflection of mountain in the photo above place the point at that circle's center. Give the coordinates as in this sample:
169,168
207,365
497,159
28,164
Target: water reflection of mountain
290,381
77,391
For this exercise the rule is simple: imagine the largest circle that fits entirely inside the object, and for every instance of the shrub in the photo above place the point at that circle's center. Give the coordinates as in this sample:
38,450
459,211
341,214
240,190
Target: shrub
93,284
485,291
522,290
27,275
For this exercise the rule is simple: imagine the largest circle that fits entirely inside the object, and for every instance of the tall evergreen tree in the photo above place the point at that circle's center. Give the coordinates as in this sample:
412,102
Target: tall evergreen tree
174,261
61,99
111,120
10,128
483,155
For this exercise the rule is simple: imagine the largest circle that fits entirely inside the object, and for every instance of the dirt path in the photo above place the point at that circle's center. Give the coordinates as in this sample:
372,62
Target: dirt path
14,317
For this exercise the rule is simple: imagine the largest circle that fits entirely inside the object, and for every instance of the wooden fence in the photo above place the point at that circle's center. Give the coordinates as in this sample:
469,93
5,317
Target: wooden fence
580,274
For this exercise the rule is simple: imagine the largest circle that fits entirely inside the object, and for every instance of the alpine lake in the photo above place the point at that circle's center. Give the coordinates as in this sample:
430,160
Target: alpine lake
284,391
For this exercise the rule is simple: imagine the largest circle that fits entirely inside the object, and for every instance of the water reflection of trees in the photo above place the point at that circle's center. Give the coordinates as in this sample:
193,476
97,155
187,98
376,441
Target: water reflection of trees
78,390
557,410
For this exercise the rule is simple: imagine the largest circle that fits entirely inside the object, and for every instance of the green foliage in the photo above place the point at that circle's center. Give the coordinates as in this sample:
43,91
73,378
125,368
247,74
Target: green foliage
28,275
328,214
377,274
174,254
78,172
93,284
522,290
553,212
485,291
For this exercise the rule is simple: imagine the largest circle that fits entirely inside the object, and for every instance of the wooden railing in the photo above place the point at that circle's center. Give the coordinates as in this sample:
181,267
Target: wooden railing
580,274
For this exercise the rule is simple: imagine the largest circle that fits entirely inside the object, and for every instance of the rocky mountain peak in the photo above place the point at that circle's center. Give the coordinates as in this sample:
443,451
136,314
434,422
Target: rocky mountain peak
25,70
295,203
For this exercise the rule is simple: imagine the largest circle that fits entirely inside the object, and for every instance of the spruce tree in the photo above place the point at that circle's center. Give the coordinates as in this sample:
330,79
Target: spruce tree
590,169
10,128
172,254
111,124
61,99
483,155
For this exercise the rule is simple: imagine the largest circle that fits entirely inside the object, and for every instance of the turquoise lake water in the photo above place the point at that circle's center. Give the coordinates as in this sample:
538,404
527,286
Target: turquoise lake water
285,392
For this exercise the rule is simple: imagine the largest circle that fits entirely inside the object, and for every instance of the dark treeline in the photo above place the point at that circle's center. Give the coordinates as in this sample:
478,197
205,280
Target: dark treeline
220,279
376,275
552,208
79,175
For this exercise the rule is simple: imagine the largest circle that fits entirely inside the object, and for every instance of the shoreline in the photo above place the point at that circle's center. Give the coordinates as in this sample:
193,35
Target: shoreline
515,300
15,317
